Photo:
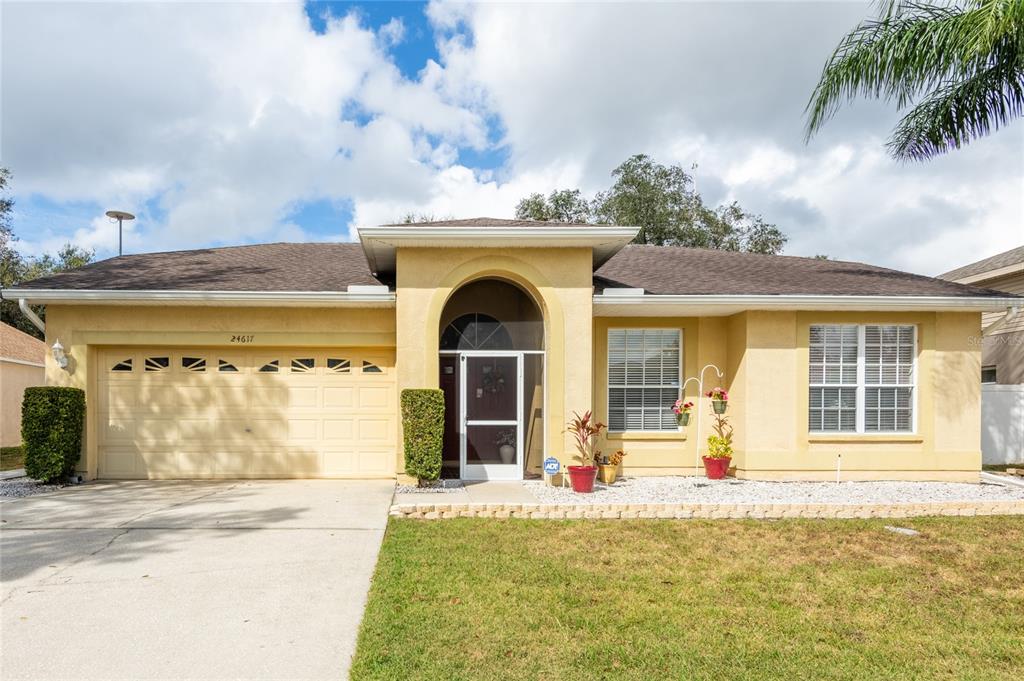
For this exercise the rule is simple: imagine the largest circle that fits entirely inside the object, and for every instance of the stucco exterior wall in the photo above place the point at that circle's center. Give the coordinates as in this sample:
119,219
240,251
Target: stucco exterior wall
558,279
765,358
14,378
84,329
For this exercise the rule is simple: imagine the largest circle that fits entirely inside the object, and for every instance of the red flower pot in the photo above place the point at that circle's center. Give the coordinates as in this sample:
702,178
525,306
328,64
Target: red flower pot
716,469
582,478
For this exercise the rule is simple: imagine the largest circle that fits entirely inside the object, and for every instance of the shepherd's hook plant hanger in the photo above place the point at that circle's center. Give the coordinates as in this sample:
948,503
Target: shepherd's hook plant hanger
700,396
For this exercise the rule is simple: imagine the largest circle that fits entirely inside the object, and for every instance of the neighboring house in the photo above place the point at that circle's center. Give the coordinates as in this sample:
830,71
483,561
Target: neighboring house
286,360
1002,357
21,366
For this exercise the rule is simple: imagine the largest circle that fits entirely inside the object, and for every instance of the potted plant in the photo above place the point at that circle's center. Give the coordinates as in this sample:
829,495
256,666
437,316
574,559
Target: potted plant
719,400
682,412
719,456
506,442
585,430
609,468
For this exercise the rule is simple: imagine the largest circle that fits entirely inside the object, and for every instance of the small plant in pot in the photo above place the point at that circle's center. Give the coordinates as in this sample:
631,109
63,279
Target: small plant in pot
585,430
682,411
719,456
719,400
506,443
609,467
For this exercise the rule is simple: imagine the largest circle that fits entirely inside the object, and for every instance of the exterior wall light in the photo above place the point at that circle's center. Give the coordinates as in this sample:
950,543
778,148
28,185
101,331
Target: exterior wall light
58,355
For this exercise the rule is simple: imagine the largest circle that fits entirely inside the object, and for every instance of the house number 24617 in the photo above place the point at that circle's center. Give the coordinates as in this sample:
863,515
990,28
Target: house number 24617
242,338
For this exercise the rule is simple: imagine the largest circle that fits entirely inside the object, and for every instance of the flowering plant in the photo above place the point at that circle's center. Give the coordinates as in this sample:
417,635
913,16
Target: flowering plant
718,394
682,408
585,429
616,458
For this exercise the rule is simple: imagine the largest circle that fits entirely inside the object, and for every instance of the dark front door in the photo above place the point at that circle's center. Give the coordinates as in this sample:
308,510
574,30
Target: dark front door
449,382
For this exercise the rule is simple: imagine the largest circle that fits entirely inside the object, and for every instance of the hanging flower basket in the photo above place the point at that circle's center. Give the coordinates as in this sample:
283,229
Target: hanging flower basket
719,400
682,412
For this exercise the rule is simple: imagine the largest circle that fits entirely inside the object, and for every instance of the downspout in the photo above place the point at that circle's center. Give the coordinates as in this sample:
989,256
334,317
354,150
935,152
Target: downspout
1011,313
32,316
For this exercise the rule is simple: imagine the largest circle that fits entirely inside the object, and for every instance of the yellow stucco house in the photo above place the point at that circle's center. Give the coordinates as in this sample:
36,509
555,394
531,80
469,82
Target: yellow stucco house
286,360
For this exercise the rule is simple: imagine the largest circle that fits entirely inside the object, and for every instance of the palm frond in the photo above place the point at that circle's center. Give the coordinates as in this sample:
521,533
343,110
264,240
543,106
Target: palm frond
960,112
913,48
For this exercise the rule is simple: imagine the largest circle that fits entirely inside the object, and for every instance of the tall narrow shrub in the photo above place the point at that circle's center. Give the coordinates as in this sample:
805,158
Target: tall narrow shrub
423,432
52,419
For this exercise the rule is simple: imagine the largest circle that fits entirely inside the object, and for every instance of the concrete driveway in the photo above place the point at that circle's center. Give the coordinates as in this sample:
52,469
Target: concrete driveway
188,580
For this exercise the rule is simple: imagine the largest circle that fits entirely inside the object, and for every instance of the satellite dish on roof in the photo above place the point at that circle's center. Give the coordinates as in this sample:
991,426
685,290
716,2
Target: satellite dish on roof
120,216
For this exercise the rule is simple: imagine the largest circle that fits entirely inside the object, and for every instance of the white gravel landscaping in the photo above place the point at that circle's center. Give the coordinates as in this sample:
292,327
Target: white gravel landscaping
24,487
689,490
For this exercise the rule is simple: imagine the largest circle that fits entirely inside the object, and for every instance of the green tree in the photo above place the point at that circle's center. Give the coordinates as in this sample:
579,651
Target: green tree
16,268
959,66
661,200
561,205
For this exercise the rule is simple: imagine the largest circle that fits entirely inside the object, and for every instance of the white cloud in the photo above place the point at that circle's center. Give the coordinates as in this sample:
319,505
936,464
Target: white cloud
213,121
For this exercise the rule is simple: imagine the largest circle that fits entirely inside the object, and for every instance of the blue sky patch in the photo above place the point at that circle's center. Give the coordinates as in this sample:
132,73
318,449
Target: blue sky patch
416,48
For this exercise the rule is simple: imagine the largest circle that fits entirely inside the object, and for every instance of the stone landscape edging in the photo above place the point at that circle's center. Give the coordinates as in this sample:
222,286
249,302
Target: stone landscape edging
436,511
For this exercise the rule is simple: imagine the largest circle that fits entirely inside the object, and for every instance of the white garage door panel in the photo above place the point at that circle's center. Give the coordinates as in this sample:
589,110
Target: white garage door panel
193,413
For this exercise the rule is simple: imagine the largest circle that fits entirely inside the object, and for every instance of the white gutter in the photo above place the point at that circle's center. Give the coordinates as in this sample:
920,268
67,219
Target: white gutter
312,298
32,316
652,302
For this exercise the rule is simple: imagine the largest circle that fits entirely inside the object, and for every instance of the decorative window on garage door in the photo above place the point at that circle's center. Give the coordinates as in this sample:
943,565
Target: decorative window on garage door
158,364
226,366
123,365
303,365
194,364
336,365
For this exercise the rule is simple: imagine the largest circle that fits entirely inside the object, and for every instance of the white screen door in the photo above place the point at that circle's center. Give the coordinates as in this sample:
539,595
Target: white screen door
492,404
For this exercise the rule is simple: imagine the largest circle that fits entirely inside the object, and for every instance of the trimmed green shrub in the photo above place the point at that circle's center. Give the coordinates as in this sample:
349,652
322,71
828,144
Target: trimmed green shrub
52,419
423,431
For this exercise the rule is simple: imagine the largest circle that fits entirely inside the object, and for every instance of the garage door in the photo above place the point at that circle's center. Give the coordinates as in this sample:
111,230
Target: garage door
198,413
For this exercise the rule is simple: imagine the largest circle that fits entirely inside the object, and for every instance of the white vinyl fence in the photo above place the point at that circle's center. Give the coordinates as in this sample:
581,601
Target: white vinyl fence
1002,423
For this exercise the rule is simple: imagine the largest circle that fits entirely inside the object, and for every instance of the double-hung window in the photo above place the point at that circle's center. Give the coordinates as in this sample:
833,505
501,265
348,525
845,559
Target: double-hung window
643,378
862,378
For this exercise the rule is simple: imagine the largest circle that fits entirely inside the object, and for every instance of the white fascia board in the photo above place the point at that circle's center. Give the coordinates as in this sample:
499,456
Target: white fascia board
720,305
379,243
240,298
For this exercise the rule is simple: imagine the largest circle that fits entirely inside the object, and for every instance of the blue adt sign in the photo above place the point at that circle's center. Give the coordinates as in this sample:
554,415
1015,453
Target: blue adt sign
552,466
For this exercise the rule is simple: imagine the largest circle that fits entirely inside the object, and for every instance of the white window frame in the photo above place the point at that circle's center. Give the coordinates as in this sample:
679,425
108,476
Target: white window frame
995,374
862,386
627,386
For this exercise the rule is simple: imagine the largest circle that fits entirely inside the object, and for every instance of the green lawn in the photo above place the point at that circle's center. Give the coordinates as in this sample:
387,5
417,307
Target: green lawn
11,458
519,599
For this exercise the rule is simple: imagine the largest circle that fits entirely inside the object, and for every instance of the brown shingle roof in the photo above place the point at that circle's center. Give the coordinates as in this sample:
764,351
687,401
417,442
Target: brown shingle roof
1014,256
697,271
265,267
488,222
657,269
16,344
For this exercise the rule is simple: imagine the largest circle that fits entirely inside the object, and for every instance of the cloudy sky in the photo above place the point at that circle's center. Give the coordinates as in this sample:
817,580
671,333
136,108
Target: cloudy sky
221,124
